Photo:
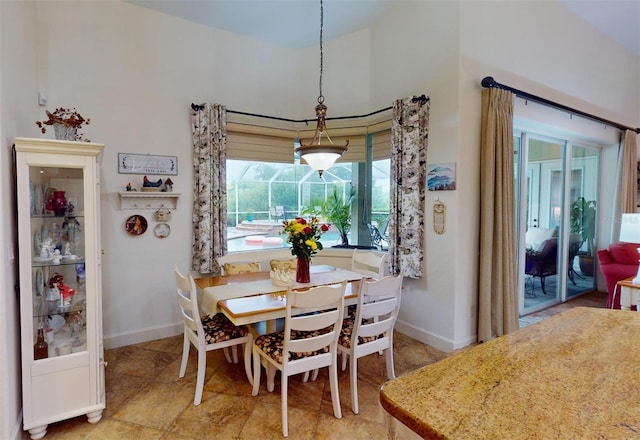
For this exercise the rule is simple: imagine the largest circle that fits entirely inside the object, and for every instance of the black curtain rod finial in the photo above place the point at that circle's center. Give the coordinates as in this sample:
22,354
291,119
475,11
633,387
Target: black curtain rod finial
196,107
488,81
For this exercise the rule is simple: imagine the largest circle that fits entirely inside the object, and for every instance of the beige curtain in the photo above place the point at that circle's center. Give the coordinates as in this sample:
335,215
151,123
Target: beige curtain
498,295
629,175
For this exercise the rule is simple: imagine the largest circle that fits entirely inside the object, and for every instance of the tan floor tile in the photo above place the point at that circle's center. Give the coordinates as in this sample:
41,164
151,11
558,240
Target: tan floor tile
219,416
115,429
351,428
157,406
265,423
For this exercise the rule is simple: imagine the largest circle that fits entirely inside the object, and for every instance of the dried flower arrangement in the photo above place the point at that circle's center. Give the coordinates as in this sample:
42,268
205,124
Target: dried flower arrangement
70,119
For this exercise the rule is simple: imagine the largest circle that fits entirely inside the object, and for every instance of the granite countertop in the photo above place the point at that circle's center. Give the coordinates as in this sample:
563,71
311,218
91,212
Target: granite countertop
573,375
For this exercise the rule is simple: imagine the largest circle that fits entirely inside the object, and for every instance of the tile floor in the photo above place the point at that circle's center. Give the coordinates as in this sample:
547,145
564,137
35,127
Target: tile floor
146,400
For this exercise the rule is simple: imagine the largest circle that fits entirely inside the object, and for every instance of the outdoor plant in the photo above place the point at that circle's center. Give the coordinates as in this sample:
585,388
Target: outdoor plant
304,236
68,118
337,210
583,221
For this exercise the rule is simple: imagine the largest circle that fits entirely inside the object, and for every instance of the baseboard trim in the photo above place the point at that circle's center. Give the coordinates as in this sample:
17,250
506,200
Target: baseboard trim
432,339
142,335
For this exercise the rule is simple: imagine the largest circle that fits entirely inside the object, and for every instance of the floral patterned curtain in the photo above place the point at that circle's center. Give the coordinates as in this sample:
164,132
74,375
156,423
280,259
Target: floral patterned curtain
409,136
209,130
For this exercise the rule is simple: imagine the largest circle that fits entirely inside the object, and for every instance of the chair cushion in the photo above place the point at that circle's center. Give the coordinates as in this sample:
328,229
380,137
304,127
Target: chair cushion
284,264
218,328
624,253
272,344
238,268
347,331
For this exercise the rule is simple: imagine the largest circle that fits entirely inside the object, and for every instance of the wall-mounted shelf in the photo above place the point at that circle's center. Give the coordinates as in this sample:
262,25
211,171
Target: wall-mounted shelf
148,200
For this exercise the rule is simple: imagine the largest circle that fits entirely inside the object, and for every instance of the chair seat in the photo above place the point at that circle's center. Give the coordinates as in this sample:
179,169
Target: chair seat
272,344
347,330
218,328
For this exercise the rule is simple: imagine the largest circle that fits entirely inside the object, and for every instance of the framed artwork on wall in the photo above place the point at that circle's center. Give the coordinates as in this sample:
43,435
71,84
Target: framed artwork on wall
441,176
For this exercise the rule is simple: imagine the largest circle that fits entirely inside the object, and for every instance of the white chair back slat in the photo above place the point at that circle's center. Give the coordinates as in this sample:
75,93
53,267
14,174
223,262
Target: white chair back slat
194,334
371,264
310,311
376,314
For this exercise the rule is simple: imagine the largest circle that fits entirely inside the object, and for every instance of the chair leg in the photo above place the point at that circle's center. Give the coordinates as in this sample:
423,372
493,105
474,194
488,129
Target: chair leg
202,366
544,292
314,375
353,377
391,372
234,351
186,345
344,360
226,354
271,377
247,359
256,372
335,395
283,397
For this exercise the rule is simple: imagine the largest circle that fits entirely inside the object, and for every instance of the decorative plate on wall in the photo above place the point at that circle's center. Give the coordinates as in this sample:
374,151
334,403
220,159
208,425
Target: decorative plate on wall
162,230
136,225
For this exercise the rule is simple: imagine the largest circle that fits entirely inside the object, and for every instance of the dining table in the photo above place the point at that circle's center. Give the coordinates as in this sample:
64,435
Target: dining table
251,298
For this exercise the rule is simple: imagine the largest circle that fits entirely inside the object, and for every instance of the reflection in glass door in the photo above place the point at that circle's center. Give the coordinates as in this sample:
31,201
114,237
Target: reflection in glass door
556,221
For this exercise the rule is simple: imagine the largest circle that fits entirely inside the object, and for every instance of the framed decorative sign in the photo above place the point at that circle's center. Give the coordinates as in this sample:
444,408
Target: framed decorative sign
147,164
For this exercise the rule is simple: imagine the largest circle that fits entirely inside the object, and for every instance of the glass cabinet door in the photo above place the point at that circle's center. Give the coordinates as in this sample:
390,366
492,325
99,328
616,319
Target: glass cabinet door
58,261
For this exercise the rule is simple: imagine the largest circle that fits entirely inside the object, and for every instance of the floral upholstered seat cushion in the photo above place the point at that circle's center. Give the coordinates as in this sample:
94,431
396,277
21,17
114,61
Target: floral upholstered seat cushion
238,268
218,328
289,264
347,330
272,344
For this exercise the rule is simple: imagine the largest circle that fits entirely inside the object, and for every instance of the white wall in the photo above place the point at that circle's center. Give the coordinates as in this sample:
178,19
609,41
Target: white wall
18,111
135,73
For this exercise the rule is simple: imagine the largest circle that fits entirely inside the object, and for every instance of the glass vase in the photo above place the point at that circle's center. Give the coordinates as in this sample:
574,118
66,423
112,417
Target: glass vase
302,270
65,132
59,203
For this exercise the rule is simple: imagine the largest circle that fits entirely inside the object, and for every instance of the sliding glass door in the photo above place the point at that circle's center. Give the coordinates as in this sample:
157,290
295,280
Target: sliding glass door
557,185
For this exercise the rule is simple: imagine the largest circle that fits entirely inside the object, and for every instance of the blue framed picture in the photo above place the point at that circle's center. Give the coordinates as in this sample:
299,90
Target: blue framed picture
441,176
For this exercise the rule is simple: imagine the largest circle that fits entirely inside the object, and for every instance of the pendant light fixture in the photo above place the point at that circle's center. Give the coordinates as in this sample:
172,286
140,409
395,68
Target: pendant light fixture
321,157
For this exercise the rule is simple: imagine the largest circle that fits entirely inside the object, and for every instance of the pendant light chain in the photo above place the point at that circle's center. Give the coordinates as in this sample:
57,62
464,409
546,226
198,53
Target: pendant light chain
321,97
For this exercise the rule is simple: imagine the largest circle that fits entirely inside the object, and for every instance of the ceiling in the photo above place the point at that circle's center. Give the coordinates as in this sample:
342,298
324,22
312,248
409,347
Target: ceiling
295,23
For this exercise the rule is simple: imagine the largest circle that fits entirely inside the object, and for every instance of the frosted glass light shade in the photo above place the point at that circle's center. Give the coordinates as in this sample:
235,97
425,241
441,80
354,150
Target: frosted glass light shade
320,158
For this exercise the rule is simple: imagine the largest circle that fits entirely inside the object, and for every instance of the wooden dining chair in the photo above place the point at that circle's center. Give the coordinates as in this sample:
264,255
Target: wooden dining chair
369,263
371,329
207,333
308,342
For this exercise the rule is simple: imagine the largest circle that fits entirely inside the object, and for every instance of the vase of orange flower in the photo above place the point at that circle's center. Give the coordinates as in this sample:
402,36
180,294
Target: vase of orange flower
304,236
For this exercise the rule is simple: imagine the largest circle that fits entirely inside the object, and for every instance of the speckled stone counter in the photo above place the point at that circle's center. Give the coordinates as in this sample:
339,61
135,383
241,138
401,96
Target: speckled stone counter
575,375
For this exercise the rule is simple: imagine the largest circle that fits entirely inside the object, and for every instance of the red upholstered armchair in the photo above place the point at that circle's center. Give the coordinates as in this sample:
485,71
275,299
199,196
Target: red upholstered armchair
618,262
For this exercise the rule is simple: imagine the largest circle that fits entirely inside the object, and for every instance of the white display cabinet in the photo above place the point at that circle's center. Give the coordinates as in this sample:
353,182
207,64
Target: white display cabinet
60,281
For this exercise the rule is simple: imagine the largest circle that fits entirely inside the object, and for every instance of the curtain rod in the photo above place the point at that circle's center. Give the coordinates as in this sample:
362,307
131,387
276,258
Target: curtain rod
488,82
197,107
